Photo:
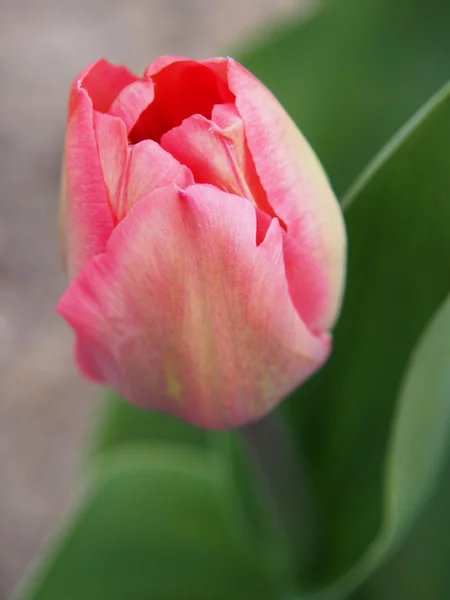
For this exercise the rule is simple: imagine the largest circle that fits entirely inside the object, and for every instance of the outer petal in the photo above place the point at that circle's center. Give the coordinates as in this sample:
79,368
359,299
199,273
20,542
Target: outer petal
85,218
216,152
296,185
184,313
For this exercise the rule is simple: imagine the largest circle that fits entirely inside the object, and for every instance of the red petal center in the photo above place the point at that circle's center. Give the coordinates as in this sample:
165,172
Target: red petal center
182,89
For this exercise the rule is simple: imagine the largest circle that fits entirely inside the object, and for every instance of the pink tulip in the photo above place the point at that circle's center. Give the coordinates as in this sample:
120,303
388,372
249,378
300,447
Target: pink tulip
205,247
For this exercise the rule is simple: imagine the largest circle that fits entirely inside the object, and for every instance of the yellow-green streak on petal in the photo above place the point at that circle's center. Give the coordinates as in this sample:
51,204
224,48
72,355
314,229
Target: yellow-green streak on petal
173,384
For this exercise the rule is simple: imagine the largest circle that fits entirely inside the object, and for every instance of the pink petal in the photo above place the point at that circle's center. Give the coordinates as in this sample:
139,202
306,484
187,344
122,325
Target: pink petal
216,152
182,88
132,172
112,145
149,168
86,218
132,102
296,187
103,82
161,62
184,313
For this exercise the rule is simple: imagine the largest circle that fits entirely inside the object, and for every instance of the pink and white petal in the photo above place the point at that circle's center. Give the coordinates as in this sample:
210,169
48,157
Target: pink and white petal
149,168
113,153
132,172
103,82
227,118
132,101
85,216
295,182
184,313
307,295
216,152
161,62
199,144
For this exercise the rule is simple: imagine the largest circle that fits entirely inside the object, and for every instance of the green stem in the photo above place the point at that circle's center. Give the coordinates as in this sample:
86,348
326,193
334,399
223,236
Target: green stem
282,473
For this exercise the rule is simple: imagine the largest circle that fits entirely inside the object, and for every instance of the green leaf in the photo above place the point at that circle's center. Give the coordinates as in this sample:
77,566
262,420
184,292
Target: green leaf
419,570
419,453
120,422
421,427
398,219
153,525
354,73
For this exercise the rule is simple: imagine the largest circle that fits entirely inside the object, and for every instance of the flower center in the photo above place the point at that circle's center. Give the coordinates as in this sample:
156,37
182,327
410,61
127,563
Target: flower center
182,89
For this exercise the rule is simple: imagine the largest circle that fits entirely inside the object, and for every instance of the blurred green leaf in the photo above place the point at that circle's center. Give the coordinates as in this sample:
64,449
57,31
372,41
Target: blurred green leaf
418,452
419,570
354,73
120,422
153,525
398,219
421,427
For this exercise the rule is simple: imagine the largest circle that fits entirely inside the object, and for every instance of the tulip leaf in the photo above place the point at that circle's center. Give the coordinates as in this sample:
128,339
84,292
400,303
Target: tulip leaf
354,72
398,220
419,451
152,524
421,427
120,422
120,425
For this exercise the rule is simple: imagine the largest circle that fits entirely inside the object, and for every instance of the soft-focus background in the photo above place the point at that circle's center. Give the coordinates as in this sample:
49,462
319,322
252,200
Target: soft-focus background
44,406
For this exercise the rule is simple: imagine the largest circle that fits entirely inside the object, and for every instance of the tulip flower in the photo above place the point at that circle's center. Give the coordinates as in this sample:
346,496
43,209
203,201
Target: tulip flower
204,245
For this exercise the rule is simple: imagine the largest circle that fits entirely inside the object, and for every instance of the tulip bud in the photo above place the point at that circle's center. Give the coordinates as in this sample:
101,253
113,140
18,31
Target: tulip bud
205,247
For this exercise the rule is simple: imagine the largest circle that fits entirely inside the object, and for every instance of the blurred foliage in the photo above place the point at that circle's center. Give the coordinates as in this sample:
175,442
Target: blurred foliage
397,220
153,525
119,423
354,73
172,513
419,568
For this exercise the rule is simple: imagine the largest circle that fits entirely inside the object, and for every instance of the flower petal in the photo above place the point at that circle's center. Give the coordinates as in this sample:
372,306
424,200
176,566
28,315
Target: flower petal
216,152
103,82
184,313
183,88
113,153
161,62
85,218
132,172
295,183
132,101
150,167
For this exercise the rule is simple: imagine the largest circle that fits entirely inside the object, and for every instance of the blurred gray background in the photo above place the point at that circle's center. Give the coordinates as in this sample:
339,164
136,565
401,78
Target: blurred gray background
44,405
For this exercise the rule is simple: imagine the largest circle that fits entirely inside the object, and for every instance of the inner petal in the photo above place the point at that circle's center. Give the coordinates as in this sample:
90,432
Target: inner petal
182,89
216,152
132,172
104,81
